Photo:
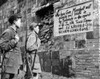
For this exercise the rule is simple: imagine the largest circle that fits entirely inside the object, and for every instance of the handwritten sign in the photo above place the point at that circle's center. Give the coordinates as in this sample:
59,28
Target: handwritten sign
75,19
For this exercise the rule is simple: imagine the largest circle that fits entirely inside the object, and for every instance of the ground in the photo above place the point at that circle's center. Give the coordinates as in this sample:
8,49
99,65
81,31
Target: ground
45,75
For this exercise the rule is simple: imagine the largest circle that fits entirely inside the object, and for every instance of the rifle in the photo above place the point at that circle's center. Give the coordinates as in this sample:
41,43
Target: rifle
2,60
33,63
2,66
28,70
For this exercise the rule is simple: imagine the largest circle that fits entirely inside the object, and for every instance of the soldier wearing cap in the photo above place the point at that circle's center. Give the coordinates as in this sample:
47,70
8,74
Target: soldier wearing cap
33,43
9,44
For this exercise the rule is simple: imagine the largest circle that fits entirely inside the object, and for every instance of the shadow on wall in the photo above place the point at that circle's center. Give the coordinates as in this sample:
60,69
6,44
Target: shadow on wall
50,62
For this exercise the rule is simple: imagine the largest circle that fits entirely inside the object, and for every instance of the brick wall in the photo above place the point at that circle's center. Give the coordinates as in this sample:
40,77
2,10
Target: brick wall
83,48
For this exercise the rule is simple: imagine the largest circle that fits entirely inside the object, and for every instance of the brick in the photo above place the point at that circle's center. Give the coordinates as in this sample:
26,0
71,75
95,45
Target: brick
93,44
96,31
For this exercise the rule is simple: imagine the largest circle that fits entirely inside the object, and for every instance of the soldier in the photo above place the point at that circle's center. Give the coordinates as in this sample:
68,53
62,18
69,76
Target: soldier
9,44
33,44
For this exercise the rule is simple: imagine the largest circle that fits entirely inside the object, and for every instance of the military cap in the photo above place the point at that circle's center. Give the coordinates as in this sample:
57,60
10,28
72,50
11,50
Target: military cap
14,17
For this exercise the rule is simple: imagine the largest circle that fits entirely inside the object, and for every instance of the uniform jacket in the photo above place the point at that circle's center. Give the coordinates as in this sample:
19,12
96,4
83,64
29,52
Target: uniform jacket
33,41
13,59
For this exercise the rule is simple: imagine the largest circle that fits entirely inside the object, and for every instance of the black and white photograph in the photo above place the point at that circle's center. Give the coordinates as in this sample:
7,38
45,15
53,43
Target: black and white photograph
49,39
